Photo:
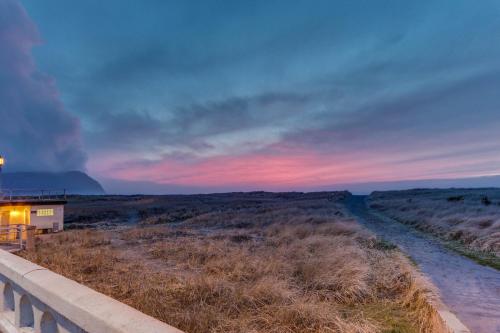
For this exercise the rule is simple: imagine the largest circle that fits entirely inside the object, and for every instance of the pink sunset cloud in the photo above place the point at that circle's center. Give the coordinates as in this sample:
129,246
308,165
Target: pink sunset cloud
295,169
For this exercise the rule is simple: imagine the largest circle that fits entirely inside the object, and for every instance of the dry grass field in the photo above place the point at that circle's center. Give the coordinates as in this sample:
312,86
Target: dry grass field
471,217
83,212
256,262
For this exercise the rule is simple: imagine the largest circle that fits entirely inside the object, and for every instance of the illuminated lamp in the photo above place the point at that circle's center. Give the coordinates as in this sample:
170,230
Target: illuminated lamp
15,213
2,162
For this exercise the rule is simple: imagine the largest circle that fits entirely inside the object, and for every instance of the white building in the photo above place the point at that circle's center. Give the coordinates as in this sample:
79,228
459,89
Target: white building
43,212
46,215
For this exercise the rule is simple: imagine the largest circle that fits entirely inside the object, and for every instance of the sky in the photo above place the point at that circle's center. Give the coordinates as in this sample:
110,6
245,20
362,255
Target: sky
212,95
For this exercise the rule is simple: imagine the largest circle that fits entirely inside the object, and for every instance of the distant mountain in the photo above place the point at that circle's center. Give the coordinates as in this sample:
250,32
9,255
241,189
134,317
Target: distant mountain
115,186
74,182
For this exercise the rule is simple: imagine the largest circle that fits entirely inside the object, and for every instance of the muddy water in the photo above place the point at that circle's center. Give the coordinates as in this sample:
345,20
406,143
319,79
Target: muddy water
470,290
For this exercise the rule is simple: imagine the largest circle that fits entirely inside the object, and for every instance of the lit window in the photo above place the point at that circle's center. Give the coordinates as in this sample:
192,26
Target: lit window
45,212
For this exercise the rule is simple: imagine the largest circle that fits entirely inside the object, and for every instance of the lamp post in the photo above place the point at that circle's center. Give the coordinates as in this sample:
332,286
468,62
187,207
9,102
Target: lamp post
2,162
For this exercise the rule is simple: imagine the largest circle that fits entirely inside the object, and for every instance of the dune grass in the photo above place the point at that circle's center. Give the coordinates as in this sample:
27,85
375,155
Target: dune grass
468,220
284,266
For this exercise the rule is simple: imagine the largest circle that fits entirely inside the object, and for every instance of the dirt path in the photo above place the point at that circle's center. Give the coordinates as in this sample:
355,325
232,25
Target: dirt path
470,290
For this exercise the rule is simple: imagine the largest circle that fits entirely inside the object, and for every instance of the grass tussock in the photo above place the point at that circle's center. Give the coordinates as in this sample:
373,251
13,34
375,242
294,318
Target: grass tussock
300,266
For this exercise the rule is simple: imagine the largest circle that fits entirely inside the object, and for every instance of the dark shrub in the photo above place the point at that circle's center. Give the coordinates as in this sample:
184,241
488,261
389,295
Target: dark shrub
485,200
382,244
240,238
456,198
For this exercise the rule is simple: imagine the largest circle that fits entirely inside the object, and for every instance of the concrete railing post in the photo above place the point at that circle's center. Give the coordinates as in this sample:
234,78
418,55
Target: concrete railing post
17,306
2,296
37,314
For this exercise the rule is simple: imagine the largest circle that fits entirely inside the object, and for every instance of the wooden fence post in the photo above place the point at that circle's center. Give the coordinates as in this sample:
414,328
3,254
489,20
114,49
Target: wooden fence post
30,237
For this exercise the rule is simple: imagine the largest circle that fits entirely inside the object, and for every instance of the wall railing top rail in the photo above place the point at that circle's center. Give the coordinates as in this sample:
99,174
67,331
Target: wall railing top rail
91,311
32,194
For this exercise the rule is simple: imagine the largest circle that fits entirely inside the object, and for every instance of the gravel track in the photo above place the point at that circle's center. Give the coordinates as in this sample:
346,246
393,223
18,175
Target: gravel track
470,290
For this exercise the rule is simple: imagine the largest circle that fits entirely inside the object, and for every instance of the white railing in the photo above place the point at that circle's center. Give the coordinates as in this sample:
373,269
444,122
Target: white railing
31,194
17,236
35,299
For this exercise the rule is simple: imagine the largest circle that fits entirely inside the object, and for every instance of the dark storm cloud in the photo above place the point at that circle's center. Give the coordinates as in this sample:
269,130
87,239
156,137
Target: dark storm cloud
432,113
190,125
238,113
36,133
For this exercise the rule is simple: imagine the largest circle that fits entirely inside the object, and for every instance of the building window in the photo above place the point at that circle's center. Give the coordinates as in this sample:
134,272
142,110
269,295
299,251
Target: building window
45,212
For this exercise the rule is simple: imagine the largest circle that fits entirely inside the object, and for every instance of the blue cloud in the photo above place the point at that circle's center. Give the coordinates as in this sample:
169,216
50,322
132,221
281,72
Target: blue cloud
159,77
